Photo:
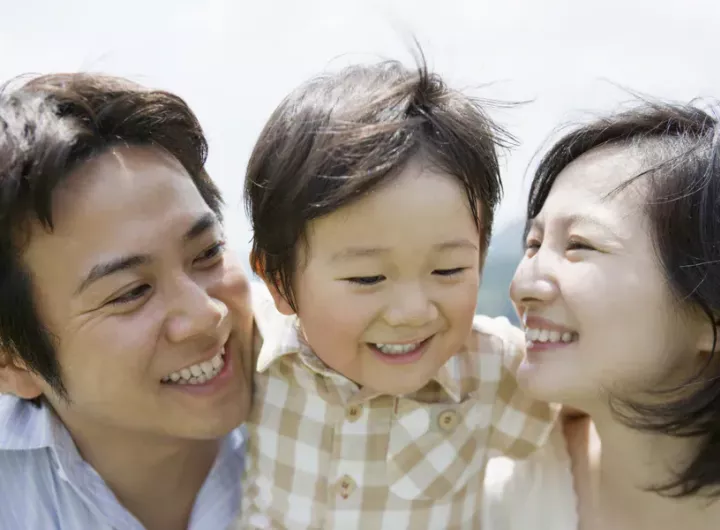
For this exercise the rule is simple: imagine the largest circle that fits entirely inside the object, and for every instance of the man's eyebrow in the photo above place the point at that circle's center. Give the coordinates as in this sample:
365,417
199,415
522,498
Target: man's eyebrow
199,227
101,270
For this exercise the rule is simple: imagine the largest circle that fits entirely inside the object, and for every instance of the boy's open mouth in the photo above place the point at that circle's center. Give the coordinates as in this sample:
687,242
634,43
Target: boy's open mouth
399,349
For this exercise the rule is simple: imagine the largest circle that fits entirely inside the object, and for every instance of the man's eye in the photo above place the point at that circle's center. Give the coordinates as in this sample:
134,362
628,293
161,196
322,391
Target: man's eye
365,280
131,295
213,252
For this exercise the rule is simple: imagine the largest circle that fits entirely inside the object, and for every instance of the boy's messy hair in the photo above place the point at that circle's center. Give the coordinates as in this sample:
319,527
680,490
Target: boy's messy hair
340,135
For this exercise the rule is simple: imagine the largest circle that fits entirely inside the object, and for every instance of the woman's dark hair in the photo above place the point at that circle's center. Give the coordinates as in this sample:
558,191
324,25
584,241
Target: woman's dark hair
49,126
679,146
341,135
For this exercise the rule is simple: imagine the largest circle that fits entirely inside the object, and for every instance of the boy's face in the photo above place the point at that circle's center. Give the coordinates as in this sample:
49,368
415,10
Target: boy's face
386,287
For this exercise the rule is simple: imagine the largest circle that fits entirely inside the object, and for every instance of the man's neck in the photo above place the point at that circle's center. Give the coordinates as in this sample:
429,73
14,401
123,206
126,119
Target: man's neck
156,479
623,464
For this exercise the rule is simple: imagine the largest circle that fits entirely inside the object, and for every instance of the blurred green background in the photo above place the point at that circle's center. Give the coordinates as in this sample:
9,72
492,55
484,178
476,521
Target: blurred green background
504,254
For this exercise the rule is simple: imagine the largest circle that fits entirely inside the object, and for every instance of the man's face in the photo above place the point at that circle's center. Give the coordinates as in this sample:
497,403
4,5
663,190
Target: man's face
150,316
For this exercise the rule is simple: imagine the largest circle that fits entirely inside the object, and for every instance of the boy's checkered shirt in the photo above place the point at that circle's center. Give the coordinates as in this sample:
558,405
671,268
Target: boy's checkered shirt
323,454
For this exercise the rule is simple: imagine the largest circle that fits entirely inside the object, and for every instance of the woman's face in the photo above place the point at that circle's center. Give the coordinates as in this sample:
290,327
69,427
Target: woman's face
597,307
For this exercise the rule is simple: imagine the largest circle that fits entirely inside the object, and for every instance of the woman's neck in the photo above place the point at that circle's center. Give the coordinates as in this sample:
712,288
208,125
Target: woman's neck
614,468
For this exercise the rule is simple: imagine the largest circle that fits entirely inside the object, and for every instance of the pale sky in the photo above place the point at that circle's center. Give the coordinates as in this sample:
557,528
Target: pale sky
234,60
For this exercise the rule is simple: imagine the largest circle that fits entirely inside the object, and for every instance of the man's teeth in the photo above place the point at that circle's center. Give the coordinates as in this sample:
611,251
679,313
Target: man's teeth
397,349
197,374
545,335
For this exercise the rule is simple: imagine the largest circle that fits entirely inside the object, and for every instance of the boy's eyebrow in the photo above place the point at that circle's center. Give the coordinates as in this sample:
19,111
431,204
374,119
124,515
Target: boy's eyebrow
364,252
358,252
455,243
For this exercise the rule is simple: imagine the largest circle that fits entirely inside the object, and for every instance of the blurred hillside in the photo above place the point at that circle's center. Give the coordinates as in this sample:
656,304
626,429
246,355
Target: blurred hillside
505,251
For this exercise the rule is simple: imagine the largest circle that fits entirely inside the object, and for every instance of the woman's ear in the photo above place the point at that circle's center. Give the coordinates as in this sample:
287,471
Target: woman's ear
17,379
709,338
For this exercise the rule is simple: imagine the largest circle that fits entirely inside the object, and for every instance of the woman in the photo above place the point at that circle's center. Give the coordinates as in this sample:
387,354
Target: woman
619,291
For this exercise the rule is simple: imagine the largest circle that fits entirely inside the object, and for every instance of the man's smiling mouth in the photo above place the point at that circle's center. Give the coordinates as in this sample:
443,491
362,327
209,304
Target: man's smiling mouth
200,373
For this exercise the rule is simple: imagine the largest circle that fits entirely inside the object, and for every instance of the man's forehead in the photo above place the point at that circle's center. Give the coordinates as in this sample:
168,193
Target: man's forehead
129,200
122,164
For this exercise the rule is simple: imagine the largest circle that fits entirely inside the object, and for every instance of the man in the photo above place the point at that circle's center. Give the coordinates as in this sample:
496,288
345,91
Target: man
125,328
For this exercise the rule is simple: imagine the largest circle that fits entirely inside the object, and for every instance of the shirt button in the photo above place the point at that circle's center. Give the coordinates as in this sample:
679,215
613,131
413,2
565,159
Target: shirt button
353,412
346,486
448,420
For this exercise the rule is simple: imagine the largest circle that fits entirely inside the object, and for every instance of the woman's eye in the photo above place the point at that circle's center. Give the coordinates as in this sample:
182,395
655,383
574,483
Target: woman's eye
365,280
131,296
579,245
532,244
449,272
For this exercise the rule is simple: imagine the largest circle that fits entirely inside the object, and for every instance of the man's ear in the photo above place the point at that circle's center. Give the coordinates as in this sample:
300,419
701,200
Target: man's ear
278,296
15,378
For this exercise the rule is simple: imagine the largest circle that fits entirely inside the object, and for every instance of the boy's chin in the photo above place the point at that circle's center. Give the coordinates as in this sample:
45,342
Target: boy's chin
397,390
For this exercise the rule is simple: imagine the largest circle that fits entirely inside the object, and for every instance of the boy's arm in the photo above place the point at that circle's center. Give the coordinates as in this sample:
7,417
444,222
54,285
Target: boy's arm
520,424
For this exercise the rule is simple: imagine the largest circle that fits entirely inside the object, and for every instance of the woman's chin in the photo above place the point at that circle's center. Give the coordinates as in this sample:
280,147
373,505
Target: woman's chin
547,383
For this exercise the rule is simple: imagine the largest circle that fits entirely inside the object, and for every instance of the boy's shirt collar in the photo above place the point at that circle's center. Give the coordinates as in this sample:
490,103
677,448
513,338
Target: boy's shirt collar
281,337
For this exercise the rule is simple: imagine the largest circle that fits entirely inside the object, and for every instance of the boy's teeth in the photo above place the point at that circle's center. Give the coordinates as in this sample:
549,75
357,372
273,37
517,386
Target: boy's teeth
544,335
397,349
197,374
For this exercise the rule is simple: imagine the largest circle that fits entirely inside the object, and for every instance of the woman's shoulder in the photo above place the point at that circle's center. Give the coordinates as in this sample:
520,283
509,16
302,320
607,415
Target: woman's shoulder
533,493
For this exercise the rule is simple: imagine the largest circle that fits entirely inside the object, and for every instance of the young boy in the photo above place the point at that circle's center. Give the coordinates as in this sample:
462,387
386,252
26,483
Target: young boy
379,397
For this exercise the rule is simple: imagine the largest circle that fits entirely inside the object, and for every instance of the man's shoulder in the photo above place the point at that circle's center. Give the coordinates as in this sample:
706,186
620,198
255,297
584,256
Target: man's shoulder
28,485
24,444
23,424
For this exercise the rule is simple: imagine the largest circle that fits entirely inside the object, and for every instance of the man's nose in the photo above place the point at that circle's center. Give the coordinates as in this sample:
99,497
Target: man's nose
196,314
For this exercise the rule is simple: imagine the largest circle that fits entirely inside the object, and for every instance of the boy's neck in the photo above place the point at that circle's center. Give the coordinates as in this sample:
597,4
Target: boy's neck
156,479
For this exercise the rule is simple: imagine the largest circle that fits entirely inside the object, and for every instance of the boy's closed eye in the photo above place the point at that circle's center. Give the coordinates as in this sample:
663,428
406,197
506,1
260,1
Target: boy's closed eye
378,278
365,280
449,272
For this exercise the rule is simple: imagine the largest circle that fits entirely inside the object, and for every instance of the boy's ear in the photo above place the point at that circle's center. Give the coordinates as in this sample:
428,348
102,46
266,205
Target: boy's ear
16,379
278,296
281,302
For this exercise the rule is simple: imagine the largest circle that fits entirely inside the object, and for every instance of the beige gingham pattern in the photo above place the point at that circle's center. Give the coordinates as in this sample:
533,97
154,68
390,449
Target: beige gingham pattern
323,454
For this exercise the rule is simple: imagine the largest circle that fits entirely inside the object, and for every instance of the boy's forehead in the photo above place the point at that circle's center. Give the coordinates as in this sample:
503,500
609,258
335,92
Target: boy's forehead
422,209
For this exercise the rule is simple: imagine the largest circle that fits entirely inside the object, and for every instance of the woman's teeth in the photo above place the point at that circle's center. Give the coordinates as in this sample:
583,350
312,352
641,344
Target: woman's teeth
545,335
197,374
397,349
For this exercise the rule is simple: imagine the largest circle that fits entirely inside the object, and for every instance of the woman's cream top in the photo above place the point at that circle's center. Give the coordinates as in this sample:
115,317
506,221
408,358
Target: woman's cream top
533,494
